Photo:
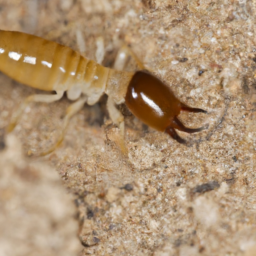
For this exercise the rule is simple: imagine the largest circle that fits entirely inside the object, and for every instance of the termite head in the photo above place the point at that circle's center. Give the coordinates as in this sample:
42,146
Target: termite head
153,102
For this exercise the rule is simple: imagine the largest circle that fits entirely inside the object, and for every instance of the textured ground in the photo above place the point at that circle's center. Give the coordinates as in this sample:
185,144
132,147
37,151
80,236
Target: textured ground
165,198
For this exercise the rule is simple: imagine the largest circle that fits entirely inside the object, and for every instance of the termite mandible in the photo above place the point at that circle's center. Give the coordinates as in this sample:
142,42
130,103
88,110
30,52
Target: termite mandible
49,66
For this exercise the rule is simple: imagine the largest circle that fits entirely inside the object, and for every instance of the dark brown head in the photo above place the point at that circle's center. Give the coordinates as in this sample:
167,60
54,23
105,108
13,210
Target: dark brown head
153,102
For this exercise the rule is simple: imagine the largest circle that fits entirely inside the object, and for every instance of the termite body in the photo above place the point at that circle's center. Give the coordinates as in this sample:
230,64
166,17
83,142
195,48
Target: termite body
49,66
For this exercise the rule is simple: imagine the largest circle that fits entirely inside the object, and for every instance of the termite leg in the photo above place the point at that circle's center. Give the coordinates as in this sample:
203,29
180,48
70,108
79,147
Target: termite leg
116,116
122,57
177,124
118,119
171,131
100,52
194,110
70,112
32,98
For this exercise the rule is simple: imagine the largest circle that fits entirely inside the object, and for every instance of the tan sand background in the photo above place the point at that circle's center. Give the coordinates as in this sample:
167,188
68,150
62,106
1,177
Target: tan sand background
164,199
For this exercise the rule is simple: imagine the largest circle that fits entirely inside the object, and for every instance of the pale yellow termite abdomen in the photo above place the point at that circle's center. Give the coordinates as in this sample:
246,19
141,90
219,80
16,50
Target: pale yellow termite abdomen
26,58
40,63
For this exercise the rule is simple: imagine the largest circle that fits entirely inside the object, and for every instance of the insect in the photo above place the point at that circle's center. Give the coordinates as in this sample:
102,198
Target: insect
49,66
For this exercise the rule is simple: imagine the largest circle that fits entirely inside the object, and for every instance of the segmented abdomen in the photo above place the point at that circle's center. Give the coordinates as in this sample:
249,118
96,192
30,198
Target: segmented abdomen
47,65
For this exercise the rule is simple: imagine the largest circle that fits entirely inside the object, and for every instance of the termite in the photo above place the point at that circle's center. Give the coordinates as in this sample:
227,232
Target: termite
49,66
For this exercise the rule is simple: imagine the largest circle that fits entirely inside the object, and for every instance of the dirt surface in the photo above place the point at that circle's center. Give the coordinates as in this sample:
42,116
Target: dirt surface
37,216
164,198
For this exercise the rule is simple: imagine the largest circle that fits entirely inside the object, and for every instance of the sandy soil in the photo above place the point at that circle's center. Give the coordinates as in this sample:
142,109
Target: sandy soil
163,198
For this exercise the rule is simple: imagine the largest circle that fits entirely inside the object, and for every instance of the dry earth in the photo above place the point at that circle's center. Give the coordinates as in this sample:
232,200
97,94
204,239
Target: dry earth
164,199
